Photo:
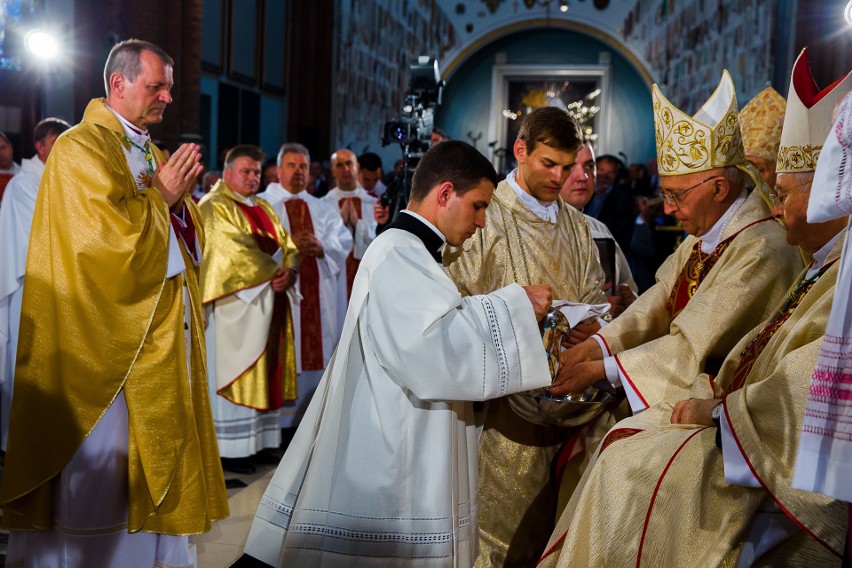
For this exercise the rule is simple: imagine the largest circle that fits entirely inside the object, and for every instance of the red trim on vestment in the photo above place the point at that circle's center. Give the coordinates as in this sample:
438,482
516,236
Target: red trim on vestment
626,376
656,490
608,350
762,484
219,391
247,287
552,549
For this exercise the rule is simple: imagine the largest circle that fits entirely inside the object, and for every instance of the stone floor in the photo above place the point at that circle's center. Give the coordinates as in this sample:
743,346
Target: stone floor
222,547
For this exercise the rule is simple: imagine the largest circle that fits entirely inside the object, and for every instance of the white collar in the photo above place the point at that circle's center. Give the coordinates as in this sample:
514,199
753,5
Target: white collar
286,195
138,136
247,200
426,222
32,165
710,239
544,211
822,254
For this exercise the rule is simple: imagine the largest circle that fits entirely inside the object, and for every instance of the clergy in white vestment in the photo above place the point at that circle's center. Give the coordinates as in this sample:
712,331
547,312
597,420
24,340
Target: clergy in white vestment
324,243
250,265
356,209
111,456
383,468
16,219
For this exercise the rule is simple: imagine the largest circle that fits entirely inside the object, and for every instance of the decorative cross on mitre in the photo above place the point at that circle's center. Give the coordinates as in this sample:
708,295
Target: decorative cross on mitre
808,117
761,121
710,139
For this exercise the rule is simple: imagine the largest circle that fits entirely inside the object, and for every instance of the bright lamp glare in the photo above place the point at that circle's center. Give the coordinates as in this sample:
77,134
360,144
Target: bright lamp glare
563,6
847,13
41,44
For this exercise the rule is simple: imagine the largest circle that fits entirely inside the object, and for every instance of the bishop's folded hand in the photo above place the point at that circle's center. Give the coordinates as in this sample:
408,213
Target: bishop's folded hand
176,176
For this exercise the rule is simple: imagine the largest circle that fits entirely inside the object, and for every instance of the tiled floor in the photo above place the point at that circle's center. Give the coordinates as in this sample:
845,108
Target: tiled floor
223,545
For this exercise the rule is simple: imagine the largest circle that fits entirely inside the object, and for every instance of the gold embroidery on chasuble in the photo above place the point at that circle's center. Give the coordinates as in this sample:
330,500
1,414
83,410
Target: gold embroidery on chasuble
749,355
697,266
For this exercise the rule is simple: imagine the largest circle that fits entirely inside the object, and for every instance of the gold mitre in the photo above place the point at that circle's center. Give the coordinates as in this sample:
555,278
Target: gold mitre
710,139
808,118
761,121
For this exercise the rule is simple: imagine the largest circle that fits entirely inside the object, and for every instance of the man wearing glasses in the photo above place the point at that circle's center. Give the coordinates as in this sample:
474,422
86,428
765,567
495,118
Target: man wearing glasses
724,279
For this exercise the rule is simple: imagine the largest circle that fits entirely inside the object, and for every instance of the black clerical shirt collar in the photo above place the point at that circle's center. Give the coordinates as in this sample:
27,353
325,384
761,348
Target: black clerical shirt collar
423,230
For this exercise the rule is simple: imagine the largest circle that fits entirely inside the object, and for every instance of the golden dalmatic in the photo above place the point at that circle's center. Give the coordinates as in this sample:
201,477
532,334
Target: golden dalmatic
242,242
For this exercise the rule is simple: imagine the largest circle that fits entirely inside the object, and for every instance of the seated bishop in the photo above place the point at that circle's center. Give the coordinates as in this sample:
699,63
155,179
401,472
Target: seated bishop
707,481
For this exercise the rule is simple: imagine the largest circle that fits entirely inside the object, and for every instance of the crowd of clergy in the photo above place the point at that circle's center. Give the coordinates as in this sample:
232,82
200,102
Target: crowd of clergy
147,341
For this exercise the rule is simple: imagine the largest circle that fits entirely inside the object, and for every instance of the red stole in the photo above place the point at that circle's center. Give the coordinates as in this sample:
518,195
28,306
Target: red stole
263,231
184,228
752,351
4,181
309,284
697,266
351,262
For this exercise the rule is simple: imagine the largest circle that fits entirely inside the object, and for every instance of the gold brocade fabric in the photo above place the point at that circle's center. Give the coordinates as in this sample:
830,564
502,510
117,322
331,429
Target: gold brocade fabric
659,355
659,498
234,261
761,121
516,497
99,315
696,268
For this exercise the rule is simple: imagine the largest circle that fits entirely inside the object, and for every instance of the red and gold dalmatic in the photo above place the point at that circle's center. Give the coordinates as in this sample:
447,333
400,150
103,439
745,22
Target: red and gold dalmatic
310,317
242,240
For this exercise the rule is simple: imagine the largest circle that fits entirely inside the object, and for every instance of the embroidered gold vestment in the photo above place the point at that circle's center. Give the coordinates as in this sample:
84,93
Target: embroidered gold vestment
516,499
98,316
658,496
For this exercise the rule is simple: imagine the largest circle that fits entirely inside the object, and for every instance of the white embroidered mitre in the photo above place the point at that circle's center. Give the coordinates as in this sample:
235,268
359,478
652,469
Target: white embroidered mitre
808,118
710,139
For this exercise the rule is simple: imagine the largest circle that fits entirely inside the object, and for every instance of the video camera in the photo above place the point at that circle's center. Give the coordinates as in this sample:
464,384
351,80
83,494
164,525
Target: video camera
412,127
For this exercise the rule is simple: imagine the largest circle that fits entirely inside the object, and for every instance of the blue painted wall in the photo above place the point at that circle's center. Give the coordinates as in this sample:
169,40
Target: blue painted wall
467,97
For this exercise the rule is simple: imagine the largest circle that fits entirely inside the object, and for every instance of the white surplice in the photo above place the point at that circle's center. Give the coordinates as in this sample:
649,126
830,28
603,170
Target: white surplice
383,468
16,221
336,243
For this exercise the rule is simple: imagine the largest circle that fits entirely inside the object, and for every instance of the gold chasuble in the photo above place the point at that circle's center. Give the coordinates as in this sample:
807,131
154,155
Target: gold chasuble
99,316
242,241
657,495
702,304
517,501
